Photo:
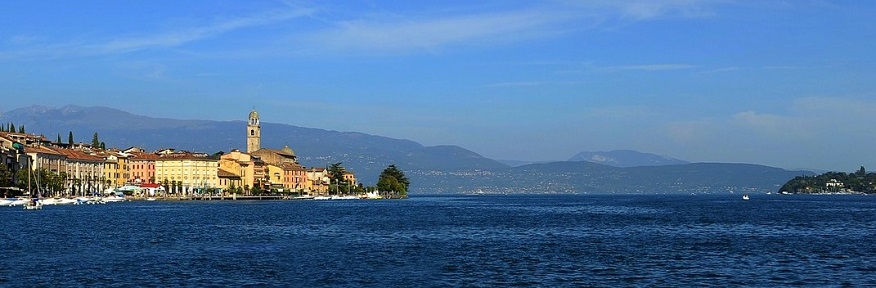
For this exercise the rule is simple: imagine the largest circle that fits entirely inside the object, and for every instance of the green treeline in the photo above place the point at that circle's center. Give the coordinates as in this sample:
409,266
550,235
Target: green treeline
833,182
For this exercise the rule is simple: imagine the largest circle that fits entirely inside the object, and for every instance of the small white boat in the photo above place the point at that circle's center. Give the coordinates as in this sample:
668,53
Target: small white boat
66,201
96,200
19,202
113,199
5,202
322,198
51,201
150,199
34,204
745,197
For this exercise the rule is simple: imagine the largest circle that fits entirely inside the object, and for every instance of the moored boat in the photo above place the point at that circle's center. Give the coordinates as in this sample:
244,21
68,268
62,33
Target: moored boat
34,204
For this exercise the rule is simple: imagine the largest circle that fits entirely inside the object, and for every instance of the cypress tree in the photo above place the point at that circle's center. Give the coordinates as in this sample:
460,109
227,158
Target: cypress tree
70,138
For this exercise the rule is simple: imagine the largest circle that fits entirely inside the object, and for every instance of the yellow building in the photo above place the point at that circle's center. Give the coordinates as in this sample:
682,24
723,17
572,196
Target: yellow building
241,165
193,173
115,169
318,178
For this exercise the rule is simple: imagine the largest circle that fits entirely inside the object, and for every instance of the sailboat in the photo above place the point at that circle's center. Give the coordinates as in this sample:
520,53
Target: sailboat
35,203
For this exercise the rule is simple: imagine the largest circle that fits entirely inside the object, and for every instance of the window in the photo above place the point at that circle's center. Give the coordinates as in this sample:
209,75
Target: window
252,132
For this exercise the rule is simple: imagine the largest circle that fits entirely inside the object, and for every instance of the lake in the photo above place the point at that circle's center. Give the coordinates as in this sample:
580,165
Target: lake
439,241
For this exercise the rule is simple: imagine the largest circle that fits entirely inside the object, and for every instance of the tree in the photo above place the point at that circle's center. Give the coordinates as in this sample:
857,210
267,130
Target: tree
861,172
102,146
336,175
5,176
70,138
11,127
59,138
393,180
21,129
95,142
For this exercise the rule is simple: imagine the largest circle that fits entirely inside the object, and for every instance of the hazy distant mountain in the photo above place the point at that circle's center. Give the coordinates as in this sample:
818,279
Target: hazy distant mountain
364,154
518,163
587,177
626,158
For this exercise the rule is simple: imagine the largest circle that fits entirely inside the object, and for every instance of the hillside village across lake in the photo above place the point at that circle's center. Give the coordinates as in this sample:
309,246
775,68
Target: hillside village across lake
81,169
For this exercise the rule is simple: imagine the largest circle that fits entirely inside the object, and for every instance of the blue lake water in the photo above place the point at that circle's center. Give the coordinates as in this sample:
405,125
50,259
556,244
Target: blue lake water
532,240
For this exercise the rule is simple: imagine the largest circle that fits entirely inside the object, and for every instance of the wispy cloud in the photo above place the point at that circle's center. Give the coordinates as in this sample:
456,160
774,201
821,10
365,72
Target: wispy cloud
22,39
436,33
28,48
649,68
183,36
516,84
385,33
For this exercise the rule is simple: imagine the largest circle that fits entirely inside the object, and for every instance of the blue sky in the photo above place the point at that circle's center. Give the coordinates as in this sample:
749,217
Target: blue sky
781,83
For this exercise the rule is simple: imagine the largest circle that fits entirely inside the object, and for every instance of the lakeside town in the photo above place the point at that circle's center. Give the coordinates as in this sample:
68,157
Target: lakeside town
40,167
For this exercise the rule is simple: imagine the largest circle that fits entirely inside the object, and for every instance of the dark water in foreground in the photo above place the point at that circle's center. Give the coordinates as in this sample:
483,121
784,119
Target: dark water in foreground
447,241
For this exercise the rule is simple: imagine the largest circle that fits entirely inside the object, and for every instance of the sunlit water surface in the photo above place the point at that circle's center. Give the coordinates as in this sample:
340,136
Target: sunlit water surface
553,240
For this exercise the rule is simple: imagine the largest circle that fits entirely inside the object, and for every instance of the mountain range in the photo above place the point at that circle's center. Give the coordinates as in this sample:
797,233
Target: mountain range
431,169
626,158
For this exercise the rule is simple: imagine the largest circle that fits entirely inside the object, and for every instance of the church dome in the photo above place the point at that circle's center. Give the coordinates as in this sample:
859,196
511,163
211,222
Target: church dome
253,114
288,150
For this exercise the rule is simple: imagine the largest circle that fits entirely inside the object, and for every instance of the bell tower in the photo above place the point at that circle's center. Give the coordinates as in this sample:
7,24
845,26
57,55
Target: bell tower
253,133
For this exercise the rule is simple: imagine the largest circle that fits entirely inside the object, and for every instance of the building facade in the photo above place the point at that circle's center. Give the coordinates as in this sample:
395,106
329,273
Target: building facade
191,173
83,172
142,168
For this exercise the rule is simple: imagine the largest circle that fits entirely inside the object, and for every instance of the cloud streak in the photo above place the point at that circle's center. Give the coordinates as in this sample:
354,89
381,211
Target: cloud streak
437,33
182,37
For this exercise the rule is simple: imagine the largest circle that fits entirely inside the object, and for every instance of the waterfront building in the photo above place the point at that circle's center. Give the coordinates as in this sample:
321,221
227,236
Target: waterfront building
83,171
295,178
240,165
46,158
228,180
192,173
142,168
11,158
350,178
318,178
274,177
284,172
115,169
29,140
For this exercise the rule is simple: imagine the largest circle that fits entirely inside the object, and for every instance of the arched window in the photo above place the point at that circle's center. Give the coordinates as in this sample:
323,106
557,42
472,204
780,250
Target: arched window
252,132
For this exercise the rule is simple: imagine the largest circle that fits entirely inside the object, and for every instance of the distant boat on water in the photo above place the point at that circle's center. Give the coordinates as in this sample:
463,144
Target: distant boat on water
745,197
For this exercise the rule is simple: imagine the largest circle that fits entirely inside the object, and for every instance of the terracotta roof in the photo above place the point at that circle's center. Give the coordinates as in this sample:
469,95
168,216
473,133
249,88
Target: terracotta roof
292,167
225,174
78,155
41,150
144,156
185,156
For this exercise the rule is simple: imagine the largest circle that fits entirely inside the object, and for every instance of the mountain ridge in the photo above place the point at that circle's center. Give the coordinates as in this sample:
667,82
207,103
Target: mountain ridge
626,158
